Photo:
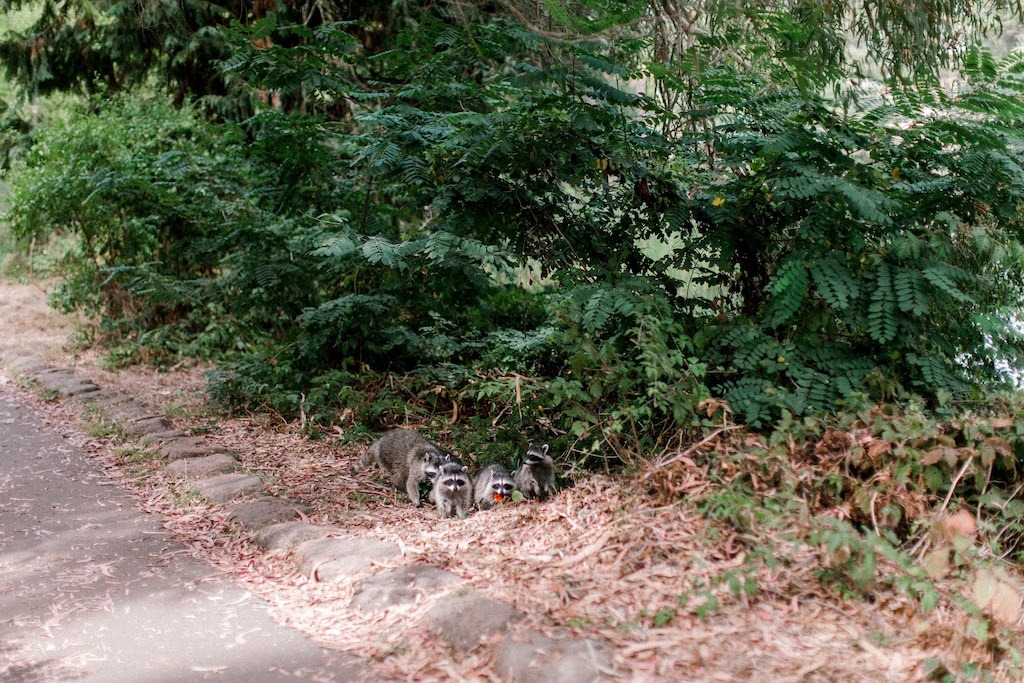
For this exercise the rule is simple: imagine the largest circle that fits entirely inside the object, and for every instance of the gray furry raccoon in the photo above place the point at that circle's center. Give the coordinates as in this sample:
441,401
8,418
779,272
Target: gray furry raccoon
406,457
493,484
453,491
535,477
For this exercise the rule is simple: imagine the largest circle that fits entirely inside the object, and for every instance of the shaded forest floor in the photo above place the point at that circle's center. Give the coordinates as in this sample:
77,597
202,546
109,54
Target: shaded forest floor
629,560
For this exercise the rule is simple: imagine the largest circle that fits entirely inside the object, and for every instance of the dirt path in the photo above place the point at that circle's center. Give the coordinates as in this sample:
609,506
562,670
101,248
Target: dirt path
599,561
29,321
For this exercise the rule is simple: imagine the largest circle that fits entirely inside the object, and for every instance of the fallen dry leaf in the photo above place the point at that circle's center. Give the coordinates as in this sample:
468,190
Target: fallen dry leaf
960,524
1006,604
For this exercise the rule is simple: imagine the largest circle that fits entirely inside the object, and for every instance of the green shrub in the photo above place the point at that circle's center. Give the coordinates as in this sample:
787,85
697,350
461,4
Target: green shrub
786,251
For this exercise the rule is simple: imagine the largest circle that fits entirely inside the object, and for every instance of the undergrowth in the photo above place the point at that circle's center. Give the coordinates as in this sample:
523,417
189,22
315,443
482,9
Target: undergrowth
542,247
886,506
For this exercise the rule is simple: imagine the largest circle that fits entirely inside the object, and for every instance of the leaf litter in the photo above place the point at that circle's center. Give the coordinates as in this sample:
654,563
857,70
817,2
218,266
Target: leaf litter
601,560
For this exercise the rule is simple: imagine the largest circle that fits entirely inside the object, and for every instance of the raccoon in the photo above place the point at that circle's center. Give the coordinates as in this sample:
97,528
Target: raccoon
448,456
492,484
535,477
453,491
406,457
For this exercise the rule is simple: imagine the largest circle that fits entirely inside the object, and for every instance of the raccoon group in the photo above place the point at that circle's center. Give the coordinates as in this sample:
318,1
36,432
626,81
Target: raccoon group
409,459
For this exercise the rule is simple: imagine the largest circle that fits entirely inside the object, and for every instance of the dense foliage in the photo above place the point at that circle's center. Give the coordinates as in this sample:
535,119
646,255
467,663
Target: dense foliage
594,237
110,46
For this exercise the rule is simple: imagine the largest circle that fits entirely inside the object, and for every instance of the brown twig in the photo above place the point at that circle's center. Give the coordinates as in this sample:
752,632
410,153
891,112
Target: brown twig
694,447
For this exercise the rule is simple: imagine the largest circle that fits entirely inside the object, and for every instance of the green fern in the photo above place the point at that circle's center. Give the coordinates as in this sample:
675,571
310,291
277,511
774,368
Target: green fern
937,376
864,203
883,316
602,305
911,292
415,171
378,250
751,398
803,186
943,277
833,282
789,286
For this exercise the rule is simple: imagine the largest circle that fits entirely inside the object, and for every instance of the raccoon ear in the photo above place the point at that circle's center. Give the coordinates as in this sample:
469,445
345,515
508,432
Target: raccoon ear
544,449
465,468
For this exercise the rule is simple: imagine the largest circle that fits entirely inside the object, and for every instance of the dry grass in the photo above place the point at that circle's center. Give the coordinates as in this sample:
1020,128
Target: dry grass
29,322
606,559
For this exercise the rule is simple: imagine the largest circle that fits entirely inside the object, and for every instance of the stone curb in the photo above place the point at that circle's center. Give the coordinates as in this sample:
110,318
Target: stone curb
199,468
285,536
265,511
160,438
533,658
323,552
401,586
187,447
103,398
329,559
146,425
463,621
224,488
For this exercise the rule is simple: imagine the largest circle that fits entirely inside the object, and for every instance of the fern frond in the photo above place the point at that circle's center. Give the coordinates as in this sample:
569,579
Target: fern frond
378,250
813,389
753,349
415,171
935,373
911,292
942,276
833,282
789,287
601,90
882,313
864,203
605,66
749,397
802,186
336,312
602,305
386,154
